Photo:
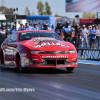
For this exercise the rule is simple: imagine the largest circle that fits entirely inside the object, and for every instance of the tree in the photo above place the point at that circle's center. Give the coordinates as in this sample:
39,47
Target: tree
40,8
45,13
47,8
6,10
33,13
27,11
56,15
89,15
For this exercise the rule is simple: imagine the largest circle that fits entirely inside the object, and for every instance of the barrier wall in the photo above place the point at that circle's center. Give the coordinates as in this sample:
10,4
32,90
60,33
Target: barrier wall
90,54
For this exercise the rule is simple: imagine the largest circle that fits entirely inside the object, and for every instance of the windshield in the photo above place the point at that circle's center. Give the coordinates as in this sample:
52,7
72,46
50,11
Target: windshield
28,35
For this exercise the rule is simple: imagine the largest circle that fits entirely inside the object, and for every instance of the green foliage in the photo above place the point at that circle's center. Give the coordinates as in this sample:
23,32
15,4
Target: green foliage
33,13
89,15
27,11
6,10
56,15
45,13
47,8
40,8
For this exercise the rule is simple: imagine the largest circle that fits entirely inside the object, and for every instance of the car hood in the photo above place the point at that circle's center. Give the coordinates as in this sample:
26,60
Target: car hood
48,44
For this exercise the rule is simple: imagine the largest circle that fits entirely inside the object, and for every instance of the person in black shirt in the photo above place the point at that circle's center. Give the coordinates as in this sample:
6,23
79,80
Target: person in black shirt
3,34
77,35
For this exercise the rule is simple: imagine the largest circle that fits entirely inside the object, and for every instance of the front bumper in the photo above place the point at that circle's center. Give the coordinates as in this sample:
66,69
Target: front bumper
52,61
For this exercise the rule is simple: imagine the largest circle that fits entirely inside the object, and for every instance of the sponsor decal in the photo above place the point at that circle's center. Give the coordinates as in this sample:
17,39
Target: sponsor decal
51,44
24,33
45,40
19,49
79,53
89,54
10,63
23,54
24,62
41,38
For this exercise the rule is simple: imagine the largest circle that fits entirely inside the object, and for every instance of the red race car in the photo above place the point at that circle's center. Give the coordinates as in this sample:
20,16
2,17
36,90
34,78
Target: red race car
38,49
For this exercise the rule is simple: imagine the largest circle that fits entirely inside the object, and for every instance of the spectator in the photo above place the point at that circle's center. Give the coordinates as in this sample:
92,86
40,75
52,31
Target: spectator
21,27
35,27
58,30
13,29
27,27
77,35
46,27
84,34
3,34
93,34
67,30
73,36
98,36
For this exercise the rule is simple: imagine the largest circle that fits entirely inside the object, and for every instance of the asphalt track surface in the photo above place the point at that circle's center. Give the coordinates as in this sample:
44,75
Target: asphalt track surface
52,84
83,6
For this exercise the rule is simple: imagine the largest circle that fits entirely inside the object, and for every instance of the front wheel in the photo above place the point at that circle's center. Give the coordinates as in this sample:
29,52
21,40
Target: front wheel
18,62
20,68
70,69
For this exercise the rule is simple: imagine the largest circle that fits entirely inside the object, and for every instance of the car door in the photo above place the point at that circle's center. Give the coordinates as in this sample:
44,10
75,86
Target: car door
10,48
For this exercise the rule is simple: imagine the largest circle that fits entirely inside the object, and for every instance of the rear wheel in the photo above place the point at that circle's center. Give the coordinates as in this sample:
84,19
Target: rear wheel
70,69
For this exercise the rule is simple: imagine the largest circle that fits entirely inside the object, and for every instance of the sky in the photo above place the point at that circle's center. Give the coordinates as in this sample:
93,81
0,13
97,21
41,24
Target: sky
57,7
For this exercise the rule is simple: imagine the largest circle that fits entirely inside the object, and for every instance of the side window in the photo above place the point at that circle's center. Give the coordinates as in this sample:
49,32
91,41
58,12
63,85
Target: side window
13,38
8,38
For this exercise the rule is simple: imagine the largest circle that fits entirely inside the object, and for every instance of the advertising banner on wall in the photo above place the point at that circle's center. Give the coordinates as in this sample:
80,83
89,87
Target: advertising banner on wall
41,20
91,54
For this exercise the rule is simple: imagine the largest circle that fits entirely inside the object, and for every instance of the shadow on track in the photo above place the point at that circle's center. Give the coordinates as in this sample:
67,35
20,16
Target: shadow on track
36,71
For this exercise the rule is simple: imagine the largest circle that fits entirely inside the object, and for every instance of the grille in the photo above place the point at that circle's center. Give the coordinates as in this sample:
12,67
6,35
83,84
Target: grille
52,62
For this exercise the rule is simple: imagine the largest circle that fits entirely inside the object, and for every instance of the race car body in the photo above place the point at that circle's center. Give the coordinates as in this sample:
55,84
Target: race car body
39,49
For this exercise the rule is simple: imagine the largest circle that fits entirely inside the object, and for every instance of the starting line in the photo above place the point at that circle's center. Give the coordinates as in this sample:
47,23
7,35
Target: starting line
92,62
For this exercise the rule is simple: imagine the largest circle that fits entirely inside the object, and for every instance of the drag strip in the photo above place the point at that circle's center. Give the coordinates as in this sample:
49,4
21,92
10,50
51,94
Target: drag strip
52,84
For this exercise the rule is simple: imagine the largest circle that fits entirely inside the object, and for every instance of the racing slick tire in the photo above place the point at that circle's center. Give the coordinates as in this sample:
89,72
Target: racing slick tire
70,69
2,58
18,62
